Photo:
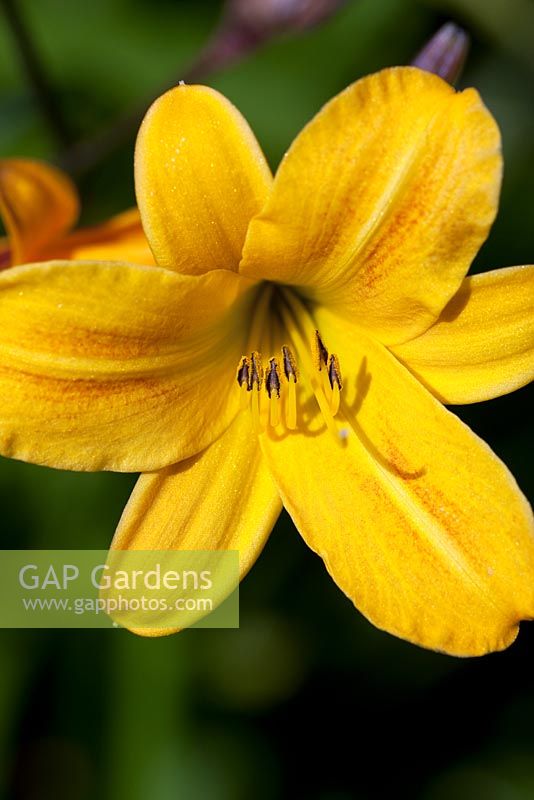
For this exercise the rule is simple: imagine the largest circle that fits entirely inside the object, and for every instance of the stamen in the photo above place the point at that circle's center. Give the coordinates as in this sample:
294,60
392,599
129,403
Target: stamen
296,336
334,377
327,388
256,382
244,381
274,408
290,371
320,352
321,369
291,408
251,394
256,421
256,370
290,365
272,384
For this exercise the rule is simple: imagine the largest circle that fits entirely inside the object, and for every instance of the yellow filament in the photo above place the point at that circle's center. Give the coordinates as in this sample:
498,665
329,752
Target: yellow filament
256,419
299,324
291,407
300,346
325,410
327,389
302,314
245,397
334,402
274,407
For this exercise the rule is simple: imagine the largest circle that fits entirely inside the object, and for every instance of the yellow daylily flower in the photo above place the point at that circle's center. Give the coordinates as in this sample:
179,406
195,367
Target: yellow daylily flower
348,273
39,205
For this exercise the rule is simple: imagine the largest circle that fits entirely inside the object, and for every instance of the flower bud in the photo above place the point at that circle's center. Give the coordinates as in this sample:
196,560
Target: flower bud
247,24
265,18
445,53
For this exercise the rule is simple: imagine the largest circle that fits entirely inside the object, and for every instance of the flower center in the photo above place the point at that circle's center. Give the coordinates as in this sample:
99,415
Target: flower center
299,360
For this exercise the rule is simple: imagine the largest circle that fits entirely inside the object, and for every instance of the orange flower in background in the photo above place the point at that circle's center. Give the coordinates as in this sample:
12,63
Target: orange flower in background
39,206
347,272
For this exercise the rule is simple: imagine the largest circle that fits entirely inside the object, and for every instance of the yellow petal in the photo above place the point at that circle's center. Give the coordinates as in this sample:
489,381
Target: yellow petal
222,499
38,204
200,176
382,201
120,238
482,345
417,520
117,366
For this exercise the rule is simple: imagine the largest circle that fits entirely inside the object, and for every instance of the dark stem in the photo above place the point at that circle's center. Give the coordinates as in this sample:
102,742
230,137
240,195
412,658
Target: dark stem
227,46
35,72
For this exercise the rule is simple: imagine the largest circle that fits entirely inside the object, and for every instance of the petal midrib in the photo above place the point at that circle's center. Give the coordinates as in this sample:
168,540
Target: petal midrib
434,532
387,204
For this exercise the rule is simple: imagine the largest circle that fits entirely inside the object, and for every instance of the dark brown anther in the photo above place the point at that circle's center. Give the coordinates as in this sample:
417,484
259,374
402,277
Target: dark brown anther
243,373
290,365
256,370
334,372
321,353
272,381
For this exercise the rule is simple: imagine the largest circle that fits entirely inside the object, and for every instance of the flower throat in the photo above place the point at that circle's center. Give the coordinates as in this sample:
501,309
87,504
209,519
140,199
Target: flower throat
270,388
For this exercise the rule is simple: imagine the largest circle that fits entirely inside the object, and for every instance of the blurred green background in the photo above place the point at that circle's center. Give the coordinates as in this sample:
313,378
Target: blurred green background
306,699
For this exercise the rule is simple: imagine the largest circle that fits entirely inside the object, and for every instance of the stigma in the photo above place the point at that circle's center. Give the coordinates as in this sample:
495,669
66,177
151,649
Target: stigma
270,387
